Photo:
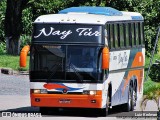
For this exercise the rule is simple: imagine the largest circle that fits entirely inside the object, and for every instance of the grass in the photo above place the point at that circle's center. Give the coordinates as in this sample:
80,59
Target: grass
9,61
150,86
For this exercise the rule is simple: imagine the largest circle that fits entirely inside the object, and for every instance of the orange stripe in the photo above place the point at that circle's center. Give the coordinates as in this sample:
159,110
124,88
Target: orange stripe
54,86
137,62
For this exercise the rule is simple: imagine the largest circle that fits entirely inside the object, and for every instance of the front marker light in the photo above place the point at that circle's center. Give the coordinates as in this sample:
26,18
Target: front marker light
37,91
92,92
89,92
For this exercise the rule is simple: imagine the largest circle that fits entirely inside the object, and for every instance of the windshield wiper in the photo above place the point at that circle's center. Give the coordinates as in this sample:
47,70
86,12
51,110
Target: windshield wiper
54,68
76,72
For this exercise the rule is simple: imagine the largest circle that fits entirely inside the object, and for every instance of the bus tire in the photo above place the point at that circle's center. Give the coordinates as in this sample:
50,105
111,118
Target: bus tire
129,106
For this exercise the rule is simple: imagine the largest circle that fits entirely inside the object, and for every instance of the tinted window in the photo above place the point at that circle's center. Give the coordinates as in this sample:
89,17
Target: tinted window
121,31
116,35
76,63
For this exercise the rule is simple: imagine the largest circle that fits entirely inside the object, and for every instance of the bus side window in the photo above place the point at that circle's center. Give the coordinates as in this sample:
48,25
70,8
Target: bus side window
137,34
116,35
127,35
142,33
132,35
108,35
134,24
124,34
112,40
121,35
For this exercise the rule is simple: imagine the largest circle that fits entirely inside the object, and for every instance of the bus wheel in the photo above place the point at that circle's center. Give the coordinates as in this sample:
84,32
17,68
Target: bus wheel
134,97
129,106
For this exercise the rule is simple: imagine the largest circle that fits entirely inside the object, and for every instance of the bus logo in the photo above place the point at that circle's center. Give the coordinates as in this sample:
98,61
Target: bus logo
64,91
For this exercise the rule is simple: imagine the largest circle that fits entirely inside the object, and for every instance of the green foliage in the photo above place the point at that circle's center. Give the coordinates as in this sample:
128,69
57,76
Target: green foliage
124,5
27,21
25,40
147,63
2,18
150,11
155,72
41,7
2,48
150,86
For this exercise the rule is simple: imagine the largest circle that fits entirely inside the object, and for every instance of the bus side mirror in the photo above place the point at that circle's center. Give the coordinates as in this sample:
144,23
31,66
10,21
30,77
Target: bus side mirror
23,56
105,58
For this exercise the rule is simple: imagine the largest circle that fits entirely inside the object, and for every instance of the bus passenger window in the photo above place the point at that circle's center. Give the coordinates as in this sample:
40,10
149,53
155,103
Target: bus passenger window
112,40
121,35
132,34
124,34
108,35
137,34
116,35
142,34
127,35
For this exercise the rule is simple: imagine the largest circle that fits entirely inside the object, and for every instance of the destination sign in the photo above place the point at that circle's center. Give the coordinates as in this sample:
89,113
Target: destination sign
67,33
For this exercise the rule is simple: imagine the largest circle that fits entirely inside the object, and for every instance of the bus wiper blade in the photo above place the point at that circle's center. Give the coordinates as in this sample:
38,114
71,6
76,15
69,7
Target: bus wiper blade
77,73
54,68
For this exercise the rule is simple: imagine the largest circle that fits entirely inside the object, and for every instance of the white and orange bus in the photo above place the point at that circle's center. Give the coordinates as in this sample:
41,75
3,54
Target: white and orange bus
86,57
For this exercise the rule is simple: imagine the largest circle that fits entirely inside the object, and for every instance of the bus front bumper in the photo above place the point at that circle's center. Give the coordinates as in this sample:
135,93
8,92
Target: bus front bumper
64,100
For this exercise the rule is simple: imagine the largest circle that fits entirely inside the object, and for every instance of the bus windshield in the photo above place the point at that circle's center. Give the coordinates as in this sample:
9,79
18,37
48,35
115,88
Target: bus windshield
66,63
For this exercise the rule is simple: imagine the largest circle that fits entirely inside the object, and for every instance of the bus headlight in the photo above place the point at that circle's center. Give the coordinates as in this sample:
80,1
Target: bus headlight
39,91
36,91
90,92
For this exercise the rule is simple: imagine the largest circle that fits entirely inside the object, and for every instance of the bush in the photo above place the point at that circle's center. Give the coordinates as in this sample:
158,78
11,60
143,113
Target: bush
154,72
2,18
25,40
2,48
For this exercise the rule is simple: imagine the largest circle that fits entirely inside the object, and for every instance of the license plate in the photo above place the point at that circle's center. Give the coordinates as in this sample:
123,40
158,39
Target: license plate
64,101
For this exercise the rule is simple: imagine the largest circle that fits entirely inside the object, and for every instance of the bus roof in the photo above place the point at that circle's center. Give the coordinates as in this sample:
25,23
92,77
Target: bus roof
89,15
108,11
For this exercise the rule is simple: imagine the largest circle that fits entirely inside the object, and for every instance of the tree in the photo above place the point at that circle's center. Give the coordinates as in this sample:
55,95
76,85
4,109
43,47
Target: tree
2,18
13,25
